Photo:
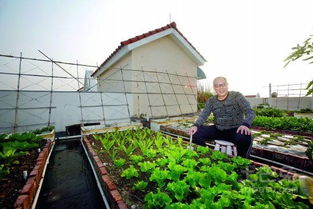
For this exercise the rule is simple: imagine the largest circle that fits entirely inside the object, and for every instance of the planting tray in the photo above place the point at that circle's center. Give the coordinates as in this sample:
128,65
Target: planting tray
156,124
48,136
103,129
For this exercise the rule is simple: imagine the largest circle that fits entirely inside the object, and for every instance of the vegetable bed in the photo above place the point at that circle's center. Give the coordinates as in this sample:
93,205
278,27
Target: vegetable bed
18,156
154,171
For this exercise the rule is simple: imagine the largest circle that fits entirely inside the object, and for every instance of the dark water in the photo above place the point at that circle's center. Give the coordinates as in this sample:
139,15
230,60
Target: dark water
69,181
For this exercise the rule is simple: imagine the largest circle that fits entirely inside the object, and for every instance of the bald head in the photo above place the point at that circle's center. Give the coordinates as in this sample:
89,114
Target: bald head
220,79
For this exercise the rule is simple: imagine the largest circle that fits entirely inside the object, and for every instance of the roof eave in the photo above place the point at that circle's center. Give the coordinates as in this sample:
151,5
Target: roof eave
199,60
120,54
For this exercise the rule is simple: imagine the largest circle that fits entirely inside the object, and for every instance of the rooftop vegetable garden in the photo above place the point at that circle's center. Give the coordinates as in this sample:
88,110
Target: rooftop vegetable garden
154,171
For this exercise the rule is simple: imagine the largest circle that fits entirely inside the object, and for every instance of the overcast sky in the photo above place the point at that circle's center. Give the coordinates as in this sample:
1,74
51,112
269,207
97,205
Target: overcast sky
244,40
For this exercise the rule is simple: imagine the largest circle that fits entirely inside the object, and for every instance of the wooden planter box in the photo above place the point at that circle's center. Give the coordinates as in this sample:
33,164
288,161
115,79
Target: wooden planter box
87,130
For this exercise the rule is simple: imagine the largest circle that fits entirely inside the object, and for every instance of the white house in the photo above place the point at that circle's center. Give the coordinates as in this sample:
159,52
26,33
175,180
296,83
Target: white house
157,70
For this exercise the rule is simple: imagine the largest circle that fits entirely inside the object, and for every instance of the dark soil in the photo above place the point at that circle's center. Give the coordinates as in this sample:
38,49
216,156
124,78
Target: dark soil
14,181
124,186
11,184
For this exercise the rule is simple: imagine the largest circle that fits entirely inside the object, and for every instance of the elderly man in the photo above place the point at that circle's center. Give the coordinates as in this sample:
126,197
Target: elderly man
233,117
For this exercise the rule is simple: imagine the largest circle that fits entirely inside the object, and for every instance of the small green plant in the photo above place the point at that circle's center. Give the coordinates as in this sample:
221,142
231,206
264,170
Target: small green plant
146,166
136,158
309,151
190,163
193,178
150,153
140,185
157,200
241,162
113,154
159,176
120,162
4,171
216,155
176,171
130,172
179,189
178,205
3,136
205,161
162,162
128,150
203,150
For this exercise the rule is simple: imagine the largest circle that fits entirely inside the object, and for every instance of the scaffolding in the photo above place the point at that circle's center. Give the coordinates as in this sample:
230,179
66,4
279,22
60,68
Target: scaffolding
32,90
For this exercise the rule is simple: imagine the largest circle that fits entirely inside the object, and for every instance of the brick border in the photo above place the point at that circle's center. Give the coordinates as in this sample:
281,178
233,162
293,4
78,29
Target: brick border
28,192
115,199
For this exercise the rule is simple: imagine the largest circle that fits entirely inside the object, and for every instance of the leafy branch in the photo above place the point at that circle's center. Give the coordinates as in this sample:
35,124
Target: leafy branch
305,51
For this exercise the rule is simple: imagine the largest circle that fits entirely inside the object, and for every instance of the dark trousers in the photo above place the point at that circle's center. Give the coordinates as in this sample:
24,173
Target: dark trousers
243,142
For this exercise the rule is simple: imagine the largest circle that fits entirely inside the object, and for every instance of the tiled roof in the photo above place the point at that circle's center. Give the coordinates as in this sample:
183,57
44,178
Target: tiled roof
145,35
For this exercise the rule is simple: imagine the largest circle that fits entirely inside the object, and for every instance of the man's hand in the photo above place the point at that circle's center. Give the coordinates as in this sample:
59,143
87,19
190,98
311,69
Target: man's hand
193,130
244,130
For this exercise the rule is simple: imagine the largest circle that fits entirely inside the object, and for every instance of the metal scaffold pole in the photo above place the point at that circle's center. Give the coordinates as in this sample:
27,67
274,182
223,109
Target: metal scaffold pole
144,79
174,93
194,94
17,93
80,98
51,92
124,85
156,73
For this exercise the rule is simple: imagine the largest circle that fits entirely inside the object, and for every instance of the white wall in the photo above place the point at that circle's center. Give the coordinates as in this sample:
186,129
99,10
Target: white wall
66,109
286,103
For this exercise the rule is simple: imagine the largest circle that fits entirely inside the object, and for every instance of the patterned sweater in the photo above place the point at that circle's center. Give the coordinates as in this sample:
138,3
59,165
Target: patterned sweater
231,112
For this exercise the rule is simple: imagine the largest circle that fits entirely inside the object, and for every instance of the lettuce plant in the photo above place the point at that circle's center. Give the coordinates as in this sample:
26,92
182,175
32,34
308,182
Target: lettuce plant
241,162
136,158
190,163
203,150
157,200
192,178
120,162
130,172
217,155
205,161
179,189
113,154
4,171
150,153
175,171
162,162
128,150
178,205
159,176
146,166
140,185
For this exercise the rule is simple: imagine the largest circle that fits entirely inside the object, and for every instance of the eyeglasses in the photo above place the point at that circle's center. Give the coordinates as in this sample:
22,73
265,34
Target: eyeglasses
220,85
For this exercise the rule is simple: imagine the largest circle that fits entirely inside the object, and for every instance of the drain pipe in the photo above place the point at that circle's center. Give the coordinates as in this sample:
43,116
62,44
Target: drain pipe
96,177
42,178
